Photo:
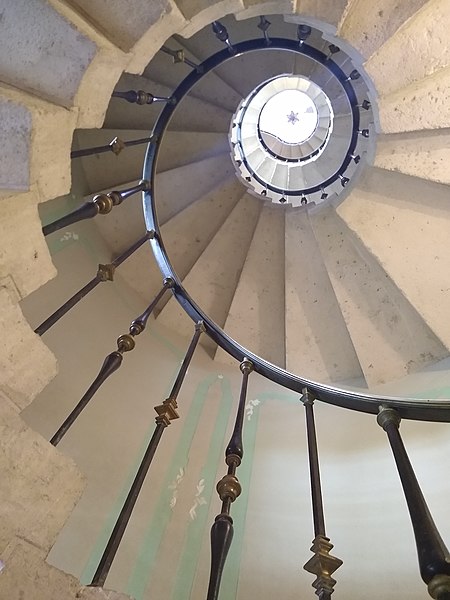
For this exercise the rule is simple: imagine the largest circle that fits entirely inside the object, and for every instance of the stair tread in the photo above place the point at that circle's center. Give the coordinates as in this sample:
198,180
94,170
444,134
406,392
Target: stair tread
404,222
367,25
375,311
195,114
424,154
178,148
421,105
213,279
256,316
185,235
210,88
388,68
174,190
53,71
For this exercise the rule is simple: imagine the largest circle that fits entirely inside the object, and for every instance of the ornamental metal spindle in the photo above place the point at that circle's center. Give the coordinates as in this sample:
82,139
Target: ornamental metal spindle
115,146
303,33
125,343
180,57
101,204
221,33
344,180
322,564
104,273
167,411
140,97
434,558
228,489
332,49
264,25
365,104
354,75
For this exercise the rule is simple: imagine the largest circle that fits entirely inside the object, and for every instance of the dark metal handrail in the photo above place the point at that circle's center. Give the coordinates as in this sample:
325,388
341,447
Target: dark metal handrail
408,408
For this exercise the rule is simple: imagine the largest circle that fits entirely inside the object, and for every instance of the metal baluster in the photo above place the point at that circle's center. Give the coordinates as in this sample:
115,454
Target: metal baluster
115,146
303,33
332,49
222,35
228,489
167,411
125,343
104,273
101,204
354,75
140,97
365,104
434,558
322,564
180,57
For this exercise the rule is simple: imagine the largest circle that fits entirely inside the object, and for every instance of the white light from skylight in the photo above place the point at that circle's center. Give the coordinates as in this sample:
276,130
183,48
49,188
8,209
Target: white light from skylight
290,115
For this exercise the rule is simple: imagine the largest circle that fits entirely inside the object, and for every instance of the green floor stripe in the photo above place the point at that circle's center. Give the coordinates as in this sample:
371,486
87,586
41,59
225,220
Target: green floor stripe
102,540
176,351
184,579
434,394
143,572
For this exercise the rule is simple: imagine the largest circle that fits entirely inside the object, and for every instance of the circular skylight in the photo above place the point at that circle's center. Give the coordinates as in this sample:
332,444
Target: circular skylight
291,116
295,138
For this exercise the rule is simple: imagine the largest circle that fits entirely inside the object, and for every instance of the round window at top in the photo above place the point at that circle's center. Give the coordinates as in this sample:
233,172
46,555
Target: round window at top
290,116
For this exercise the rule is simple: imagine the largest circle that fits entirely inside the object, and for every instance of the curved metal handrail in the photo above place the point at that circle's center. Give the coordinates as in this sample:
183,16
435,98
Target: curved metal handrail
408,408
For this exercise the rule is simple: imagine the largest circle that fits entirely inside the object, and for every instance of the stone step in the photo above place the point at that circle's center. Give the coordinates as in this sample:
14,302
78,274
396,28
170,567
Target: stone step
404,223
174,190
40,485
185,235
318,344
368,25
421,105
326,11
243,73
375,311
192,115
210,88
213,279
177,149
391,67
256,316
424,154
138,29
25,60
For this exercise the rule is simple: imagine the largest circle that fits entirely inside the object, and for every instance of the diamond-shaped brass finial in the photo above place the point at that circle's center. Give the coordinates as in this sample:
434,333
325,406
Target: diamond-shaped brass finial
323,565
167,411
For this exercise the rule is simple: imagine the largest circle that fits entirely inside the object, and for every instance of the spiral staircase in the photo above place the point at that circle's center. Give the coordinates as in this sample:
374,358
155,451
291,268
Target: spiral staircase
323,298
342,284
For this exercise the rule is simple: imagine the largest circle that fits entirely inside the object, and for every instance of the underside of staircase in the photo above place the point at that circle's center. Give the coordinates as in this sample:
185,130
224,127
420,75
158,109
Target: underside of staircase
352,291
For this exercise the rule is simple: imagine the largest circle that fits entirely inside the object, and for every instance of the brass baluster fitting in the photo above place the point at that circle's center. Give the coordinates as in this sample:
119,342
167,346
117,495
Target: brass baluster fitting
322,564
167,411
228,489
